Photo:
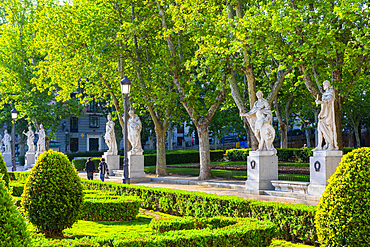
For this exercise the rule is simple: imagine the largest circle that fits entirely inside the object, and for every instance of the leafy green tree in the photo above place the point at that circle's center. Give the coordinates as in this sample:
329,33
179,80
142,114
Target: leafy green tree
18,58
200,79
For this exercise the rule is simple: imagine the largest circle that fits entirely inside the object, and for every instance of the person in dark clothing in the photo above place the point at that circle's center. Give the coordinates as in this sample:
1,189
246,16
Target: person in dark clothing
103,169
90,168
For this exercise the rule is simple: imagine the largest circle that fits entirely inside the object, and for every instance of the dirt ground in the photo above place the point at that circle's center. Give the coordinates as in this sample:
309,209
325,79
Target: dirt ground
282,169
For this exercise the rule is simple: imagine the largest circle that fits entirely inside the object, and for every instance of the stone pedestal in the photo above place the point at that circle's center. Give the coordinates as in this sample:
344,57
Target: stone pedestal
136,166
262,168
112,162
8,159
29,160
322,165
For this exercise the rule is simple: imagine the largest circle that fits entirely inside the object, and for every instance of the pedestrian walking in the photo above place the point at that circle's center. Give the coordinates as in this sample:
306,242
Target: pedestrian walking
103,169
90,168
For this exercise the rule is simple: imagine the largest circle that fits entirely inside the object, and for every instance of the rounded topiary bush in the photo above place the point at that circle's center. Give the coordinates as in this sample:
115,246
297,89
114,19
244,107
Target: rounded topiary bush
3,171
52,194
13,229
343,214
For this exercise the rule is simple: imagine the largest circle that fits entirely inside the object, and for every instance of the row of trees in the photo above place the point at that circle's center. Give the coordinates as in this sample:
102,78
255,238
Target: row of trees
186,57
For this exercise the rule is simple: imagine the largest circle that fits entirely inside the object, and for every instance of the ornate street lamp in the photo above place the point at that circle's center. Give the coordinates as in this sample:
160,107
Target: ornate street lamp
14,114
67,140
125,89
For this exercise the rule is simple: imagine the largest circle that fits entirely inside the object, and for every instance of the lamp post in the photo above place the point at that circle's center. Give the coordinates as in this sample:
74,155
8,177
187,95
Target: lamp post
14,114
125,89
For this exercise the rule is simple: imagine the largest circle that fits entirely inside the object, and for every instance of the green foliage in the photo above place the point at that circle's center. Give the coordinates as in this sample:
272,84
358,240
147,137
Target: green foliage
187,223
294,221
3,171
172,157
182,156
18,176
284,154
343,214
53,194
105,207
13,229
17,188
237,154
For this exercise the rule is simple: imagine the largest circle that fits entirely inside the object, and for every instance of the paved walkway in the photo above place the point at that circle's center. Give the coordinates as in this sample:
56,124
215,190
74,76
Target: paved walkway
212,186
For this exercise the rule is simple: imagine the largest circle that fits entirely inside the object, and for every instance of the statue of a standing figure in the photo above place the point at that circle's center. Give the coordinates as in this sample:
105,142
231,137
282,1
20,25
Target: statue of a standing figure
6,140
41,141
260,120
30,138
134,129
326,126
110,136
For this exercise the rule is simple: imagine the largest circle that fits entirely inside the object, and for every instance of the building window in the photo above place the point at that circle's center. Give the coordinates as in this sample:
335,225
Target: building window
74,145
74,124
94,121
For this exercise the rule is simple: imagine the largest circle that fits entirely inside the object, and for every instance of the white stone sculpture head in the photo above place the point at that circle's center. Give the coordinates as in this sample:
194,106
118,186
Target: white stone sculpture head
259,95
326,84
109,117
30,127
41,126
131,112
5,132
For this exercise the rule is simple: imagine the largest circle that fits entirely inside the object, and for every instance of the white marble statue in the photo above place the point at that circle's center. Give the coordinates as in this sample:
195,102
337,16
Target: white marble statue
41,141
134,130
30,138
260,120
6,140
110,136
326,126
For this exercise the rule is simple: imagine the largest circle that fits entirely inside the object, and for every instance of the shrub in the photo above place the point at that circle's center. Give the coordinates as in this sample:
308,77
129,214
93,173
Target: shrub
238,154
343,214
18,176
53,194
13,230
17,188
284,154
3,171
106,208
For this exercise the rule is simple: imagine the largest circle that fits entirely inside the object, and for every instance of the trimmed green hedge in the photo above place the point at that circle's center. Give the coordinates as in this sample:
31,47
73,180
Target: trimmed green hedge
16,188
187,223
104,207
284,154
295,222
173,157
182,157
18,176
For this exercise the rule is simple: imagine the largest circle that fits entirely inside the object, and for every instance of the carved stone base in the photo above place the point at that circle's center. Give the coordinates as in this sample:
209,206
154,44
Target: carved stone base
262,168
8,159
112,162
29,160
136,166
322,165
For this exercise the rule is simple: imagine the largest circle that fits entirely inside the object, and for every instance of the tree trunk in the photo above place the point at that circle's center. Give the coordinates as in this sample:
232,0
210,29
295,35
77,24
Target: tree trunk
22,144
338,119
252,141
161,166
205,159
216,142
350,138
283,135
170,136
357,136
151,140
